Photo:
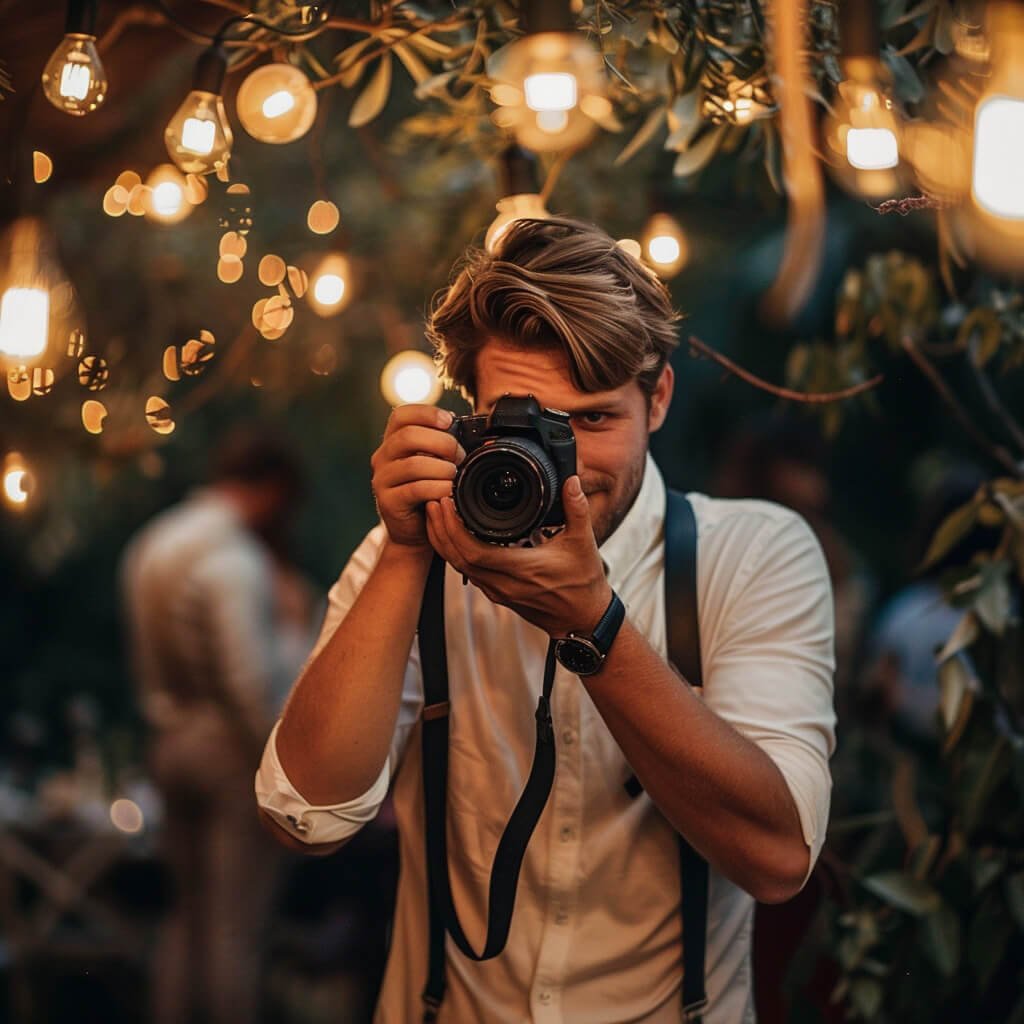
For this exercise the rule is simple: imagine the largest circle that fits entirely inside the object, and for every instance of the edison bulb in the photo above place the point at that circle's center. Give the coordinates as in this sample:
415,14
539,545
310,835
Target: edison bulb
17,482
74,80
329,285
510,209
168,203
664,245
410,377
24,322
999,156
276,103
199,137
546,85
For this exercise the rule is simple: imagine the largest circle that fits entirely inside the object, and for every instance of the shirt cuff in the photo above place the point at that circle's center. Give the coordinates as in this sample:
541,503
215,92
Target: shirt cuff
307,822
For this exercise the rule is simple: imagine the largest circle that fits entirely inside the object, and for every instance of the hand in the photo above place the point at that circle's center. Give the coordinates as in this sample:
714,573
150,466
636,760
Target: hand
559,585
415,463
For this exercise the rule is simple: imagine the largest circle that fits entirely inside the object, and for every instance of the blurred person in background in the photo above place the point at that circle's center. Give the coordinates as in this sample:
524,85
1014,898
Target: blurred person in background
214,608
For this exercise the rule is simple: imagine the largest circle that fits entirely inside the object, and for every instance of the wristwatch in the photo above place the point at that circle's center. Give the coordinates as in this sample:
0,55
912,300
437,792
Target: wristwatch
584,655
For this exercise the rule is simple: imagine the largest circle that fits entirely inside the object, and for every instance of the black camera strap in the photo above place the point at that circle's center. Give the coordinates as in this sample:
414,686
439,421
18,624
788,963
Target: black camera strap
508,858
684,652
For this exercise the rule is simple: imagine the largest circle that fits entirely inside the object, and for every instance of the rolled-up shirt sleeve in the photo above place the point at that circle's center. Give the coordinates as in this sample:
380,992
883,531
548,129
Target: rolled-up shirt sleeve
275,794
770,671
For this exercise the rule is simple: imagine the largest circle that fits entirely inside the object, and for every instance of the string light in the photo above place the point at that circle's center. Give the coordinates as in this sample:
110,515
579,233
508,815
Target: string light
37,303
168,203
997,182
549,83
664,244
198,136
329,285
521,194
18,484
73,79
276,103
410,377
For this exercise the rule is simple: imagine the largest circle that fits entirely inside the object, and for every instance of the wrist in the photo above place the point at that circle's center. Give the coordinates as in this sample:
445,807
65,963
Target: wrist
408,556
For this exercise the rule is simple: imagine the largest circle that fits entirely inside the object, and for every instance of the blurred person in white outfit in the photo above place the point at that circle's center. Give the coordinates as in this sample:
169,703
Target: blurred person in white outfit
562,313
201,584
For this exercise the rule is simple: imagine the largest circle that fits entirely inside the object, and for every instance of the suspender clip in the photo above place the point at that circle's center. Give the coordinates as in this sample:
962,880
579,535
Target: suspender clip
693,1013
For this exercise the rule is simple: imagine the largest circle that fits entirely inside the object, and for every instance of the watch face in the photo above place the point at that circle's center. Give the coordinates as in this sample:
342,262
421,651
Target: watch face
579,656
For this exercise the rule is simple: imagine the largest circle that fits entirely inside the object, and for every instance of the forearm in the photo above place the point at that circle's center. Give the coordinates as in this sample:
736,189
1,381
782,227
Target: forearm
340,718
716,787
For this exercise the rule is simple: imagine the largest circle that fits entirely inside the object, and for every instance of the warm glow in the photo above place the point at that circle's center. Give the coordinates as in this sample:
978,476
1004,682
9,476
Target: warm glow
17,482
998,182
75,80
550,91
126,816
664,249
552,121
410,377
278,103
329,289
24,322
198,136
872,149
167,198
510,209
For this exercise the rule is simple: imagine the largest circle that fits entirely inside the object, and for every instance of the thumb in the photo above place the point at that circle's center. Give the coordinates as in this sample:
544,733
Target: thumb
577,512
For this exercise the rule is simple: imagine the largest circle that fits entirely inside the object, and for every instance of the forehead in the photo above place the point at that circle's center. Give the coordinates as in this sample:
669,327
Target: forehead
502,368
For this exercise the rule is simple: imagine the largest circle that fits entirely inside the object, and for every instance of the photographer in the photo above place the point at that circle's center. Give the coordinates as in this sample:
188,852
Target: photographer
562,313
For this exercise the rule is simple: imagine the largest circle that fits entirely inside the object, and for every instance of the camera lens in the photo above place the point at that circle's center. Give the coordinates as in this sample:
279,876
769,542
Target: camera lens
505,489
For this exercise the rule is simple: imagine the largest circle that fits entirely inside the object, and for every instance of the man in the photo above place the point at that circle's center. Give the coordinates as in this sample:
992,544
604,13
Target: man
563,313
199,586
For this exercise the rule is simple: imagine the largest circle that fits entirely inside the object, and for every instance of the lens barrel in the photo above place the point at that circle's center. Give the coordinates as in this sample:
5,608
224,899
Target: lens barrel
505,489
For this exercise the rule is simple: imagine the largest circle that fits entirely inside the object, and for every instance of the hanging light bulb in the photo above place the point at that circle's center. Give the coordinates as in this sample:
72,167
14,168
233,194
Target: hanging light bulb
521,194
410,378
997,182
18,484
167,200
862,131
664,244
37,302
74,80
549,83
199,137
276,103
329,290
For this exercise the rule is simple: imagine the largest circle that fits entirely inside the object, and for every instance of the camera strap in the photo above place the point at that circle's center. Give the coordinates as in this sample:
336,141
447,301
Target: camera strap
684,653
443,917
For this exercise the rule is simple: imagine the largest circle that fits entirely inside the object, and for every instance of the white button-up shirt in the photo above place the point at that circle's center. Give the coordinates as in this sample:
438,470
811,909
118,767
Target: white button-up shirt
596,933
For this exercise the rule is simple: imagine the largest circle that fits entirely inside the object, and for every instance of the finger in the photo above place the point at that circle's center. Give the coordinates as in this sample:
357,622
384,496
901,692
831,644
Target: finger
416,467
472,550
418,415
416,440
420,491
438,537
577,511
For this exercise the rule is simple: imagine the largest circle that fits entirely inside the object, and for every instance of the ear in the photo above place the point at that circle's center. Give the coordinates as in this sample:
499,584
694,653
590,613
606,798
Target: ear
661,398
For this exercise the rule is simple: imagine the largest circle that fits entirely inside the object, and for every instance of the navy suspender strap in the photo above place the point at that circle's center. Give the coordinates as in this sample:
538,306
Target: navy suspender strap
511,848
683,631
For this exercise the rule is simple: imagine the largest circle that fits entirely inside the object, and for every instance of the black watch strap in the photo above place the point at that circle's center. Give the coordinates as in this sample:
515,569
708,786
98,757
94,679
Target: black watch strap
608,628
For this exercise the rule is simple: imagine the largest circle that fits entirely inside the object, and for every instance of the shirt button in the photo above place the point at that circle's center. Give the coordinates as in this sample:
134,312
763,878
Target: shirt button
299,826
561,917
545,998
569,737
567,833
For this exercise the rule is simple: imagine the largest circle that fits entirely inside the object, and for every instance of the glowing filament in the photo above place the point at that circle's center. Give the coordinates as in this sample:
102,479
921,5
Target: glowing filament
871,149
24,322
550,91
198,136
664,249
329,289
278,103
75,81
167,198
999,156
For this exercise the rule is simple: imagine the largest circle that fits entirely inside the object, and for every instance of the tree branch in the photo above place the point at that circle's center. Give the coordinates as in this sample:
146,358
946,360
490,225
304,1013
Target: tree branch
995,451
810,398
988,392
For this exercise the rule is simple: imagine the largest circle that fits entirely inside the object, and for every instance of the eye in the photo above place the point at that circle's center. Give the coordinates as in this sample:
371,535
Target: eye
592,419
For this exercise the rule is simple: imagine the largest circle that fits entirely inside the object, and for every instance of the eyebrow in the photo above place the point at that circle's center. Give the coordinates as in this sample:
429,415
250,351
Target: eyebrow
579,410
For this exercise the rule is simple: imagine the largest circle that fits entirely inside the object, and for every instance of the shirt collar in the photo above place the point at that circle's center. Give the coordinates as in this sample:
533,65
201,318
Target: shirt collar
640,530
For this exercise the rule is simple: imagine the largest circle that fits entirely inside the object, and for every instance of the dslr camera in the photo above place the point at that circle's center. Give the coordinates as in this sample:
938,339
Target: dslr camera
517,459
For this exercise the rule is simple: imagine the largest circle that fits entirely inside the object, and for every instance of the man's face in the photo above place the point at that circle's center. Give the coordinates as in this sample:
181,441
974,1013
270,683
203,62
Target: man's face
611,427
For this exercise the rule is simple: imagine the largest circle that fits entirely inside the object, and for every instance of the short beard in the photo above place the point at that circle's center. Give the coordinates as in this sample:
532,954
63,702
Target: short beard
617,513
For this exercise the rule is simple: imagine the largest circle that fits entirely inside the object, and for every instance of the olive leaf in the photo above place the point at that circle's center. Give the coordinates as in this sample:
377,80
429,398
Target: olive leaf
904,892
941,939
953,529
644,134
372,99
692,160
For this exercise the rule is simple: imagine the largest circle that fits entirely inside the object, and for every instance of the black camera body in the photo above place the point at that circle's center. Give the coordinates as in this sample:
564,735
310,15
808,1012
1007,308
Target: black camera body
518,457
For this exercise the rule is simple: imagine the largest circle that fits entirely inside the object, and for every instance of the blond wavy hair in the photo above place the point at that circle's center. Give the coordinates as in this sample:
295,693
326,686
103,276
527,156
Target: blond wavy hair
562,284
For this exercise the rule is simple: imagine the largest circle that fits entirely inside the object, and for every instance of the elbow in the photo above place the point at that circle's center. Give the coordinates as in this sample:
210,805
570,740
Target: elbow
290,842
783,877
